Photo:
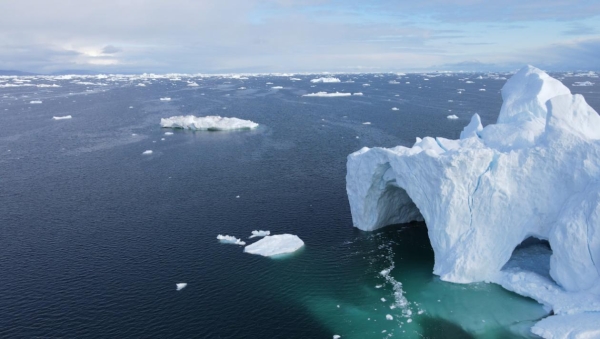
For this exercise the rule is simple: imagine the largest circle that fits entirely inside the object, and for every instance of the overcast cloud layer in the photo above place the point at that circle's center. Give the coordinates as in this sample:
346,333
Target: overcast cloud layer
222,36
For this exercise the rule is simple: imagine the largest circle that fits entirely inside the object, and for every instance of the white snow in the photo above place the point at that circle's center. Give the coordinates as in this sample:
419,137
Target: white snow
228,239
62,117
181,286
165,99
327,95
275,244
326,80
452,117
532,174
147,152
208,123
259,233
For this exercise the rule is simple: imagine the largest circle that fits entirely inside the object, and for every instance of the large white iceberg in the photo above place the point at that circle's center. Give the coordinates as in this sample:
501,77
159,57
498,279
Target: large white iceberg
535,173
208,123
275,245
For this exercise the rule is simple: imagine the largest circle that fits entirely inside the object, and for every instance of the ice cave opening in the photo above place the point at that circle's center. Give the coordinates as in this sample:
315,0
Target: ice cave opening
395,206
532,255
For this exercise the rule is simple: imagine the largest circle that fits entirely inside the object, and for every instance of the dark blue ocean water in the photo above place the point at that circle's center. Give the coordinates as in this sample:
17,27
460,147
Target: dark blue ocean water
94,235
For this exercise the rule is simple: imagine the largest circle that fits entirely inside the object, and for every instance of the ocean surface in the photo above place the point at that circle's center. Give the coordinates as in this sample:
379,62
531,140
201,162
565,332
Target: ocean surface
94,235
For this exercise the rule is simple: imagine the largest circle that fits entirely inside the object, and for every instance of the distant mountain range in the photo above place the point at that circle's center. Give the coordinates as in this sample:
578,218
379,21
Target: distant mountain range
67,71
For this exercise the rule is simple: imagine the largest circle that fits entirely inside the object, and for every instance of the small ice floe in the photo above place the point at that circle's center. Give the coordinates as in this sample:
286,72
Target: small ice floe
242,88
389,317
141,85
269,83
452,117
395,109
62,117
366,85
277,87
327,95
165,99
583,83
409,321
237,196
378,286
357,93
208,123
325,80
162,139
450,100
192,84
260,234
181,286
482,90
408,82
366,123
168,133
275,244
228,239
335,336
393,82
146,152
35,102
383,300
130,107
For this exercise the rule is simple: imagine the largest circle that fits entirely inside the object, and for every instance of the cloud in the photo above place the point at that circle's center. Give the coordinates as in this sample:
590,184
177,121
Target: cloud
580,29
110,49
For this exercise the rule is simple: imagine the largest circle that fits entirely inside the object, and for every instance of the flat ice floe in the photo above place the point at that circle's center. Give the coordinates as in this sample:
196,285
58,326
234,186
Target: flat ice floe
327,95
275,245
228,239
277,87
357,93
259,233
147,152
35,102
452,117
62,117
326,80
532,174
165,99
583,83
181,286
208,123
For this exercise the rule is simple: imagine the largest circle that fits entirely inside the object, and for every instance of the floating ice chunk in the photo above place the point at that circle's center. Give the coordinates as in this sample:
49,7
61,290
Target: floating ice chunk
393,82
62,117
383,299
141,85
259,233
366,85
168,133
378,286
327,95
48,86
452,117
409,321
228,239
366,123
192,84
165,99
277,87
389,317
570,326
482,90
181,286
583,83
242,88
395,109
325,80
35,102
147,152
208,123
357,93
295,79
335,336
275,244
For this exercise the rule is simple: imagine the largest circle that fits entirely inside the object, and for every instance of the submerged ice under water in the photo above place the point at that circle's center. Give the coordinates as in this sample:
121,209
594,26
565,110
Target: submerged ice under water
94,234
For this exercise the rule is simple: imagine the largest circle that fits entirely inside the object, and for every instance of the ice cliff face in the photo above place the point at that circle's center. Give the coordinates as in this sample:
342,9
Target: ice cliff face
536,172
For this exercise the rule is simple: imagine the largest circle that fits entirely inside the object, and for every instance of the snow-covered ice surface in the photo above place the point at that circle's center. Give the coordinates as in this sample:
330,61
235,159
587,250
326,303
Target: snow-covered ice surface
62,117
259,233
532,174
229,239
327,95
275,245
208,123
326,80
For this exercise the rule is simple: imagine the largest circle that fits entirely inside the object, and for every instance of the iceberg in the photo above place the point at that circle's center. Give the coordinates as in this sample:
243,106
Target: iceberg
258,233
62,117
228,239
208,123
180,286
452,117
327,95
326,80
272,245
535,173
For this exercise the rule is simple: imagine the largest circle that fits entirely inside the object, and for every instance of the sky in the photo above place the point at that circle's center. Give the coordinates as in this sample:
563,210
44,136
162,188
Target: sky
264,36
